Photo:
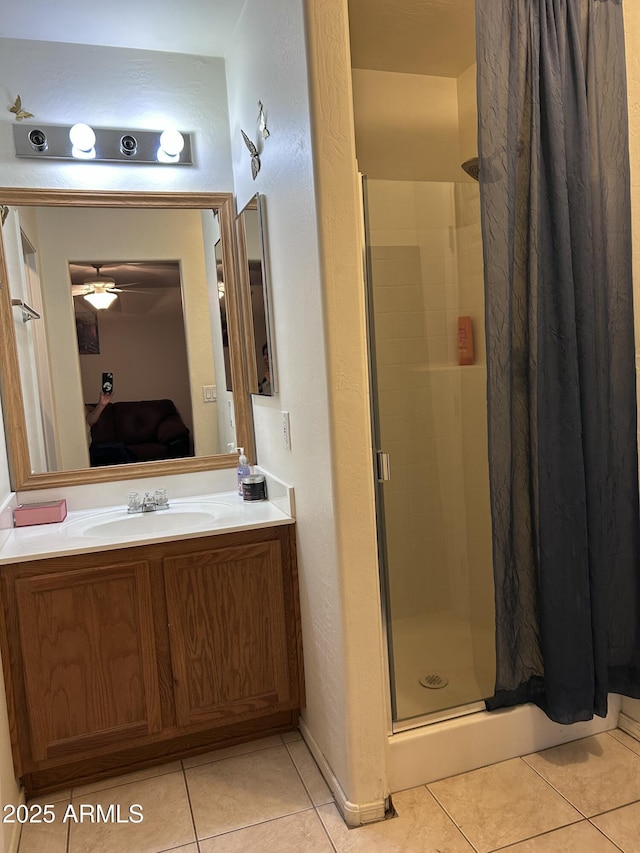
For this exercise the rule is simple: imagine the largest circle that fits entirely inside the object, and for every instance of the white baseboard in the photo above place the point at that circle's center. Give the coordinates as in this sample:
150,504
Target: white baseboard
629,725
354,814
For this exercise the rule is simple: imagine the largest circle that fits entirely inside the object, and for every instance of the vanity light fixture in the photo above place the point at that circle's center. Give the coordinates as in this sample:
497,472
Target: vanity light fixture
102,144
101,299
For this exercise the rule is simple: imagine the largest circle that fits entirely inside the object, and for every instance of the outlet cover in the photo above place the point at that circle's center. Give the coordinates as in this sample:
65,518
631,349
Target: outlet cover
286,430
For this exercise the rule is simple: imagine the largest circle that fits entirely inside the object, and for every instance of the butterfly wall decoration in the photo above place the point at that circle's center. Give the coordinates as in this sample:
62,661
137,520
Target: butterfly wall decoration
253,150
16,108
262,123
255,157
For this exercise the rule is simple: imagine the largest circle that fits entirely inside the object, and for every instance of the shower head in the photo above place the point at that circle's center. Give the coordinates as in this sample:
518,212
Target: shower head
472,168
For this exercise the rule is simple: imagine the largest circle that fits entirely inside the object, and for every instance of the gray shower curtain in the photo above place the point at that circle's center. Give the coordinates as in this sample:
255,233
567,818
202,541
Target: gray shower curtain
554,182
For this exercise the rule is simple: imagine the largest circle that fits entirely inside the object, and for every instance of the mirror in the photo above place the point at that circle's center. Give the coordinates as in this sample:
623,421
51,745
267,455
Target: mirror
222,305
130,237
254,284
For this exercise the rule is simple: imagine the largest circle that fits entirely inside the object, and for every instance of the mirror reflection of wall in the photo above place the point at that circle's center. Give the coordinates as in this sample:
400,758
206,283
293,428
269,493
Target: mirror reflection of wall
222,306
148,343
22,272
254,276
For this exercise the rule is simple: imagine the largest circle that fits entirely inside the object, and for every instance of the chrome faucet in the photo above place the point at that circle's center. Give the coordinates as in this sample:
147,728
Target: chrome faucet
148,503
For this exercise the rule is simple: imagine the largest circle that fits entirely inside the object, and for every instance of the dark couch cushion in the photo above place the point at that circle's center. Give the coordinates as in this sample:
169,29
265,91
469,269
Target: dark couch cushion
148,429
137,423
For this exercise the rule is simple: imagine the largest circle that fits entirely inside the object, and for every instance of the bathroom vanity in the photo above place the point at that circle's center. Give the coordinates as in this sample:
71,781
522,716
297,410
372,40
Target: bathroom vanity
116,659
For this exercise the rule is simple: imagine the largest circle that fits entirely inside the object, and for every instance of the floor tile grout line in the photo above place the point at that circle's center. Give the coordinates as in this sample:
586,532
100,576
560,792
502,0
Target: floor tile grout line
548,832
186,787
308,792
553,787
235,755
178,847
450,818
251,825
614,809
324,827
571,823
295,767
622,743
120,784
604,835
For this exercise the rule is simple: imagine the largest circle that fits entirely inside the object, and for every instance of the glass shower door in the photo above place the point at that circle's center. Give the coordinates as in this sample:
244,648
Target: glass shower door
424,260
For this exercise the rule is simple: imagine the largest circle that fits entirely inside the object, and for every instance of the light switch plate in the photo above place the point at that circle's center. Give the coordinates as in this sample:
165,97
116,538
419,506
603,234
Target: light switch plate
209,393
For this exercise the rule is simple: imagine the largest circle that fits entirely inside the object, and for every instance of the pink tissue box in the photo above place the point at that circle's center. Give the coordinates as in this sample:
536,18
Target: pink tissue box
46,512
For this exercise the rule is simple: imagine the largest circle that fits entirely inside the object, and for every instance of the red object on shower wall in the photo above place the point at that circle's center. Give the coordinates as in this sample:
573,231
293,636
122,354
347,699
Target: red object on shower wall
465,341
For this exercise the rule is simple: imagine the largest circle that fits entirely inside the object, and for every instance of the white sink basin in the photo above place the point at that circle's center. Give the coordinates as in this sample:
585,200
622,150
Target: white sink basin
197,515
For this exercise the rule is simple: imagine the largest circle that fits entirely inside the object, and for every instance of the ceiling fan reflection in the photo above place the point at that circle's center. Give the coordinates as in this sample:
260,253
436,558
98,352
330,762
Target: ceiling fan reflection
100,290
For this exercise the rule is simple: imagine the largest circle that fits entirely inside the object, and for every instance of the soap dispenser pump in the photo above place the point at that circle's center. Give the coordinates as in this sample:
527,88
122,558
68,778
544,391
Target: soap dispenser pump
243,469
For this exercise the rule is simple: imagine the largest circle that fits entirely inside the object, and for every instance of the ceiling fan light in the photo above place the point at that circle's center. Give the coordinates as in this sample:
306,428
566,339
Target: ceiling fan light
101,300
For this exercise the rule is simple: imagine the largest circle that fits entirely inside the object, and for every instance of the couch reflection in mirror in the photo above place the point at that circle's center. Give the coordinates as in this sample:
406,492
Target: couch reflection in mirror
137,431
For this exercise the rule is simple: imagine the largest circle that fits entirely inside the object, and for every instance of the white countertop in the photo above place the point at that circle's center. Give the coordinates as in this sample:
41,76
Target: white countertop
86,531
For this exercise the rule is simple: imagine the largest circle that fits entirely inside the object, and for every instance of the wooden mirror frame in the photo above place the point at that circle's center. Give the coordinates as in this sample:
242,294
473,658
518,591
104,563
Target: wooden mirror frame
12,399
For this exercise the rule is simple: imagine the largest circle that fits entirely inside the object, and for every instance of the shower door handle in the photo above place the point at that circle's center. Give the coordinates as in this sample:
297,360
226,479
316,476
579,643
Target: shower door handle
383,468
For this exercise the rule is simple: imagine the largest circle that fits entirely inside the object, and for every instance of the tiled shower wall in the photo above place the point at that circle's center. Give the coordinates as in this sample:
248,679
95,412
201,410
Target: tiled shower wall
426,257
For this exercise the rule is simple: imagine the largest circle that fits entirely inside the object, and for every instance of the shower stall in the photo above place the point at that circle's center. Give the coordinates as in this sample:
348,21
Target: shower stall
429,416
424,263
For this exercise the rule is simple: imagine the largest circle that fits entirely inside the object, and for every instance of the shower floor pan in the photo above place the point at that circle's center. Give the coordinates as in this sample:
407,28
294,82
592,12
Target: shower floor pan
433,644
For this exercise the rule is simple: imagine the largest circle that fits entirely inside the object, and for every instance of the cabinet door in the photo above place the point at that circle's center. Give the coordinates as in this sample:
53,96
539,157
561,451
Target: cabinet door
228,631
90,669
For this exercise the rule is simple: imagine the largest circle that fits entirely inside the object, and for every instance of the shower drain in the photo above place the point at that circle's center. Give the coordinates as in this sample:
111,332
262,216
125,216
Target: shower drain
434,681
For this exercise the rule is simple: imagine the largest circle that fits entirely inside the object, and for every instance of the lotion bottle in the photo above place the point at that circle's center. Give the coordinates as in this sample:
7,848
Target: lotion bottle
243,469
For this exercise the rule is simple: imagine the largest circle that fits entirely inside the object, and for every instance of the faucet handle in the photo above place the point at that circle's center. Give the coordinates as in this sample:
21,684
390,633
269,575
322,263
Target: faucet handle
161,498
134,502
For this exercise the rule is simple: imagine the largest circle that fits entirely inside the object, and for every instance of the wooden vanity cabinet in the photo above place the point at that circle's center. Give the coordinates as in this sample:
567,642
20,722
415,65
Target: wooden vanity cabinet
128,657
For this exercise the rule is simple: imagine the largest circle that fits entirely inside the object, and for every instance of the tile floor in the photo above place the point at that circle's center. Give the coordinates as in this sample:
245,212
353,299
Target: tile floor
269,797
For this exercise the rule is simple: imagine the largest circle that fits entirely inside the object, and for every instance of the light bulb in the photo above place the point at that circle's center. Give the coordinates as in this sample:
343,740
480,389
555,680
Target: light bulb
101,300
171,144
82,137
